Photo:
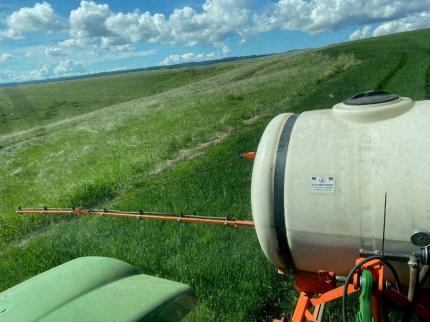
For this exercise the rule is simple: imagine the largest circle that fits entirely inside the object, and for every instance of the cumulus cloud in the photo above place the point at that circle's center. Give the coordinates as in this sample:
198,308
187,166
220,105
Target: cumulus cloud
72,43
65,68
88,20
329,15
417,21
218,20
364,32
411,22
41,73
5,57
193,57
95,22
7,75
10,75
40,17
54,51
68,67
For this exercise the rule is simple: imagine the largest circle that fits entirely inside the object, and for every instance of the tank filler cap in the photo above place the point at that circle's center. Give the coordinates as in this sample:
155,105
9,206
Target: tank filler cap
372,106
371,97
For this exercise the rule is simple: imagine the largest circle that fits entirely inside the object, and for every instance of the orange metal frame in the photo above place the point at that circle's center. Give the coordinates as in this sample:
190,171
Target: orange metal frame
318,289
249,155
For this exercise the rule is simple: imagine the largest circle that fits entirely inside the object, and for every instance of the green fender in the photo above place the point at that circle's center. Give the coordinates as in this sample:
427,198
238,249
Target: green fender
96,289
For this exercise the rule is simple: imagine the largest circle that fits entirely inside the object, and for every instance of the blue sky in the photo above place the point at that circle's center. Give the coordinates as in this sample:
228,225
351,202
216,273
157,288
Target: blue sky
55,38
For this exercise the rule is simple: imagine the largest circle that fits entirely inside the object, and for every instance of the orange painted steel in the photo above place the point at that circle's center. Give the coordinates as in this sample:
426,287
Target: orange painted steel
332,295
249,155
315,291
164,217
320,282
308,301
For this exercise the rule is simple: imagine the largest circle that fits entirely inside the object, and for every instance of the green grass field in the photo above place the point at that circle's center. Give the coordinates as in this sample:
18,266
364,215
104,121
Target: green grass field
83,142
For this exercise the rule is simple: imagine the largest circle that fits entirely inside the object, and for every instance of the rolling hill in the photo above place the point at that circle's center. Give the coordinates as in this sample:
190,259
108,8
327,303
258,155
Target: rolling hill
88,141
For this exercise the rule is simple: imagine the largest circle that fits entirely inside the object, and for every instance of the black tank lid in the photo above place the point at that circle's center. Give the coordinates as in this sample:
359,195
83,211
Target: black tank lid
371,97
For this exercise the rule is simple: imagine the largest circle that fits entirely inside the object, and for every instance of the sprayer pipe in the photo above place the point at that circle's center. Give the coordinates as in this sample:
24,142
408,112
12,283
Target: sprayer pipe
47,212
193,219
413,277
424,274
395,257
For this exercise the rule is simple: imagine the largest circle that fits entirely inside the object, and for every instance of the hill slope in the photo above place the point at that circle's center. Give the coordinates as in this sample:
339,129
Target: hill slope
87,141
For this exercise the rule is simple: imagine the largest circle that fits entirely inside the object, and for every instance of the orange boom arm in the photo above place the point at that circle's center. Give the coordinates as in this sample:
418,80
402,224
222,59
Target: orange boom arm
138,215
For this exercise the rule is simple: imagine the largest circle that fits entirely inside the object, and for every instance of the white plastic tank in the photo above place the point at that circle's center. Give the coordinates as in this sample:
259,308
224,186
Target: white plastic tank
319,181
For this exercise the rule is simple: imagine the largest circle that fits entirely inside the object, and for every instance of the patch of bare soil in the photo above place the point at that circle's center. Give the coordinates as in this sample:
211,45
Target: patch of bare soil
255,118
191,153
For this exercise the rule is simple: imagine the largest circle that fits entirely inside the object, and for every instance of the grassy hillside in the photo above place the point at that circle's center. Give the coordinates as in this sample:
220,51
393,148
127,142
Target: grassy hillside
27,106
82,142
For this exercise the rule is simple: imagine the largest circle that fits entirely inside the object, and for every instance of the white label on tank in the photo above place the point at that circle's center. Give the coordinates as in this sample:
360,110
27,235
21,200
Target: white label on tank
322,184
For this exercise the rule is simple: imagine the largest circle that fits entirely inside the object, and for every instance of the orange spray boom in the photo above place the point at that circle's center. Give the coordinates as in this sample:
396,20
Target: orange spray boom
137,215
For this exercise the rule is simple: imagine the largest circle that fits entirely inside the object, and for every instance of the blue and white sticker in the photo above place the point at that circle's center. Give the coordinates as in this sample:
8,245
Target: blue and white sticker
323,184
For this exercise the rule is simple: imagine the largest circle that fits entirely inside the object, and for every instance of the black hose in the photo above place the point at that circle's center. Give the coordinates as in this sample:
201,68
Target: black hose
357,266
394,272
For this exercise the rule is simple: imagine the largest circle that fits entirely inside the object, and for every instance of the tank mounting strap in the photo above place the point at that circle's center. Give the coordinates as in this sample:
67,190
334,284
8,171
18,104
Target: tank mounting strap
278,191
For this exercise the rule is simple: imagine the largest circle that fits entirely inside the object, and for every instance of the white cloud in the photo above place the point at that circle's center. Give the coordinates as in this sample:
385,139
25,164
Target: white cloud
225,51
71,43
10,75
134,27
5,57
68,67
117,53
329,15
218,20
88,20
54,51
42,73
193,57
364,32
65,68
7,75
411,22
95,23
40,17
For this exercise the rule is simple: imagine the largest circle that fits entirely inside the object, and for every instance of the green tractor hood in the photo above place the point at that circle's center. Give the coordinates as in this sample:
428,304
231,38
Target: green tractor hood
96,289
